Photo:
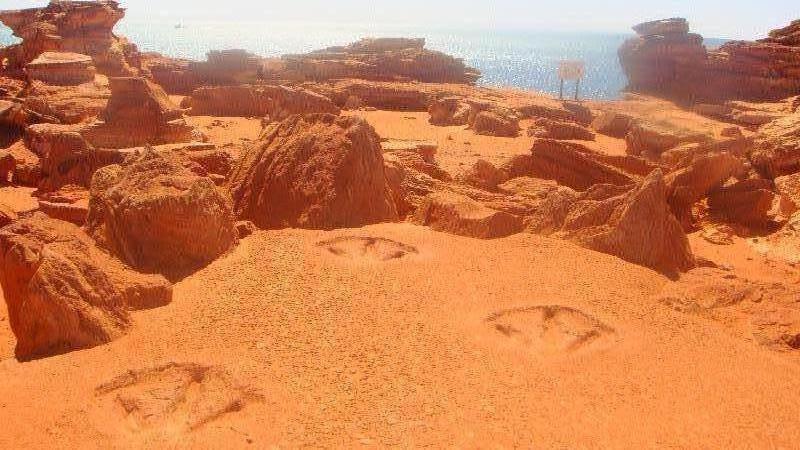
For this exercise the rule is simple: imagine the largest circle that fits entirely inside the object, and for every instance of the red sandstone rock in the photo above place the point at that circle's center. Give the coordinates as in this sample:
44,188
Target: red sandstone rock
496,123
275,102
612,124
222,68
553,129
27,166
639,228
692,183
666,60
62,69
425,149
391,96
8,166
138,113
63,293
484,175
458,214
651,139
573,165
70,26
67,104
449,111
748,202
777,147
315,171
156,214
7,215
385,59
70,204
65,156
789,187
789,35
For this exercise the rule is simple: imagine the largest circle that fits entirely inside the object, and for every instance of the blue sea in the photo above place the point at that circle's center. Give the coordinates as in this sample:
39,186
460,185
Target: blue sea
522,59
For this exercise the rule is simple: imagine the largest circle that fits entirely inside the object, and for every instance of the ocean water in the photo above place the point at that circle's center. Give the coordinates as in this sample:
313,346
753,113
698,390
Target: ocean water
522,59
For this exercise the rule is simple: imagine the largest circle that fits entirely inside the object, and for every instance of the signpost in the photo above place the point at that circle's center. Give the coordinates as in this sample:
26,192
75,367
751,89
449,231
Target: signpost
569,71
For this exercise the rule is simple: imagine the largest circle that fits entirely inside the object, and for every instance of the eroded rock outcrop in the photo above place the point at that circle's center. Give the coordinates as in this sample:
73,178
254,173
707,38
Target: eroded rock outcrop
316,171
221,68
573,165
275,102
81,103
61,68
65,156
138,113
666,60
63,293
692,183
70,26
383,59
159,213
777,147
637,227
457,214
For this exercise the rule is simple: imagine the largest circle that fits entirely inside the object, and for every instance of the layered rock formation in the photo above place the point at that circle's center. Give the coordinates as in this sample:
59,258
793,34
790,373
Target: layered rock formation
160,214
138,113
222,68
314,171
65,157
275,102
666,60
458,214
386,59
70,26
61,69
63,293
638,227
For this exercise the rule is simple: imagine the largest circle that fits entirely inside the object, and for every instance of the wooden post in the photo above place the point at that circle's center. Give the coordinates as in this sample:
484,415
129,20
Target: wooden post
561,92
577,88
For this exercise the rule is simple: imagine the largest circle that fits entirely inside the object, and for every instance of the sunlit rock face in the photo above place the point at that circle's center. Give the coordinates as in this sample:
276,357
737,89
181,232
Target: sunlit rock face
665,59
71,26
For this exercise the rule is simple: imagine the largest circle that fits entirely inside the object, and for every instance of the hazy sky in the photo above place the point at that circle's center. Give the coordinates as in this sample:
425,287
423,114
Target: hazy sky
744,19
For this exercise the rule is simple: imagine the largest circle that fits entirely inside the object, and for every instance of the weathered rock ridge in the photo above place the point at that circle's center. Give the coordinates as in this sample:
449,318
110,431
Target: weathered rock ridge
71,26
668,61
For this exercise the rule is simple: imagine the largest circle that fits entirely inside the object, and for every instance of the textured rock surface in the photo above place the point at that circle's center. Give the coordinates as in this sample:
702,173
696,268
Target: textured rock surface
458,214
221,68
639,229
61,69
554,129
67,104
573,165
158,215
496,123
63,293
138,101
71,26
777,147
747,202
665,60
65,157
275,102
688,185
313,171
386,59
652,139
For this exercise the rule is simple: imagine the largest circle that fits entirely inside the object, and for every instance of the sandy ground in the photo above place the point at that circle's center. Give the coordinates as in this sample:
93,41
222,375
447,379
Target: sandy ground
524,341
329,339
